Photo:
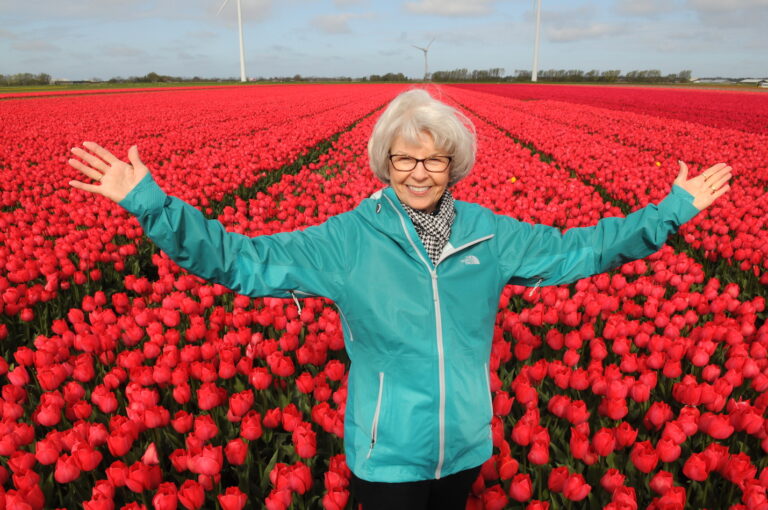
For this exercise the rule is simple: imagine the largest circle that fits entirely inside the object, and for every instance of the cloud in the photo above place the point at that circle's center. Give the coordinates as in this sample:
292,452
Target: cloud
593,31
7,34
730,5
742,15
451,7
335,23
35,45
650,8
345,3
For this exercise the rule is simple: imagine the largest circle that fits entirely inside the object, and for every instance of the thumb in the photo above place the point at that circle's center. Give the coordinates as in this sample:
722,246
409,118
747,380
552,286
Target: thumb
682,176
133,156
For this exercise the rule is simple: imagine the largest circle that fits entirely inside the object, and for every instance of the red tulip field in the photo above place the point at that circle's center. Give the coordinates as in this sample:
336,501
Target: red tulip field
128,383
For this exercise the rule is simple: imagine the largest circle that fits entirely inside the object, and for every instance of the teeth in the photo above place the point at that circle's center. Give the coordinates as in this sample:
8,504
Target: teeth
419,189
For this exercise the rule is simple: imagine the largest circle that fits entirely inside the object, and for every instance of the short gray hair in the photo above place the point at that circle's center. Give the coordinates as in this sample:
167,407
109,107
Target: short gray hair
415,112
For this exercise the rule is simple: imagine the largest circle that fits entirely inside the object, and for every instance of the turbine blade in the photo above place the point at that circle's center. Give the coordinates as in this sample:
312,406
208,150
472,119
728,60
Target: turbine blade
222,7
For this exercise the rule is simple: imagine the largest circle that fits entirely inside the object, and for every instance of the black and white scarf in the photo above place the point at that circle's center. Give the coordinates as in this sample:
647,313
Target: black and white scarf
434,228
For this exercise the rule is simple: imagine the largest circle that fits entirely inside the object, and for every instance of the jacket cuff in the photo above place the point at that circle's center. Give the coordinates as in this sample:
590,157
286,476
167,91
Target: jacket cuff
145,198
678,205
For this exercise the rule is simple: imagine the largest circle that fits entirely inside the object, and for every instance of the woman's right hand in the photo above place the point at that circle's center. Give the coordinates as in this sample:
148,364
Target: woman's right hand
115,178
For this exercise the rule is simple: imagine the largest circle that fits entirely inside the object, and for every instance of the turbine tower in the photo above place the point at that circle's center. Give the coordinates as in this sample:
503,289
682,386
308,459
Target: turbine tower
240,28
535,69
425,50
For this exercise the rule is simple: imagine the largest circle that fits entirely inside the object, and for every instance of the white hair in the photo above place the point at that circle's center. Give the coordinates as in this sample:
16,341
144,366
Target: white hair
413,113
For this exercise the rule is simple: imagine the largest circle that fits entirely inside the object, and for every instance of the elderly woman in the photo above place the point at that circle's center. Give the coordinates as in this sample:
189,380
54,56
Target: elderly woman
417,276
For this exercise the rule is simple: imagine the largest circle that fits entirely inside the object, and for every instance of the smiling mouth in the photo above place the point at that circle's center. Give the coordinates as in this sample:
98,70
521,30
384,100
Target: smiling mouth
419,189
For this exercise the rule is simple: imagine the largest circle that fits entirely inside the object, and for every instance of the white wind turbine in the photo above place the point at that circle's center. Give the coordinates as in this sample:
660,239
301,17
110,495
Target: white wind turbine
535,69
425,50
240,28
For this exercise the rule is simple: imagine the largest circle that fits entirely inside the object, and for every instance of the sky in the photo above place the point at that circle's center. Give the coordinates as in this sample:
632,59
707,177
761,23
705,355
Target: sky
84,39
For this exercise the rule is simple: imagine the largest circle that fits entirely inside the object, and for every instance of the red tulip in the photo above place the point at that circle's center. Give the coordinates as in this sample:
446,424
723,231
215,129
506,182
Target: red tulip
250,426
166,497
494,498
191,495
207,462
335,499
695,468
612,479
521,488
232,499
67,469
644,456
576,488
236,451
557,478
661,482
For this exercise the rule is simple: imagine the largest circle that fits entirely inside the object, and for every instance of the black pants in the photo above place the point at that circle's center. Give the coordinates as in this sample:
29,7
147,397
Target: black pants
448,493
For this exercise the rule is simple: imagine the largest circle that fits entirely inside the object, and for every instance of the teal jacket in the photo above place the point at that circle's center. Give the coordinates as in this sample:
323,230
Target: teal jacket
418,335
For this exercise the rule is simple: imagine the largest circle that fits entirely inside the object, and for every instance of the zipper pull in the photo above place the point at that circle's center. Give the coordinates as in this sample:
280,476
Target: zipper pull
295,300
538,282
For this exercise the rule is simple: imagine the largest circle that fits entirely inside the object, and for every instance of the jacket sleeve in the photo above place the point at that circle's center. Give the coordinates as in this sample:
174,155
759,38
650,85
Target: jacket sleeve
306,262
540,254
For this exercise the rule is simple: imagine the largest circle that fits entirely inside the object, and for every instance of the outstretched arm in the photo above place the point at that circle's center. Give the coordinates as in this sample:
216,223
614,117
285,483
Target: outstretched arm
543,255
310,261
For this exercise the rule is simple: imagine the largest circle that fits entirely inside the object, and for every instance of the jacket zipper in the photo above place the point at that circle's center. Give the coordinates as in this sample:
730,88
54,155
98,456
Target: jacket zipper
490,398
376,413
439,332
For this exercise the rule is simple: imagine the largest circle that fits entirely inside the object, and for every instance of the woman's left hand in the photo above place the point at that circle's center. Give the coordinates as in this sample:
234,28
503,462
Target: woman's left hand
707,187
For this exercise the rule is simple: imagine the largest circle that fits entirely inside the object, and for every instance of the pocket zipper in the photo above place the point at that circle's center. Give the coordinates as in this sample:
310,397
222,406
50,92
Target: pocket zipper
375,424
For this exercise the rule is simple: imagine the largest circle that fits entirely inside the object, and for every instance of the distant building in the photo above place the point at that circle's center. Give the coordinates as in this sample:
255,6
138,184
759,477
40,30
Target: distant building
713,80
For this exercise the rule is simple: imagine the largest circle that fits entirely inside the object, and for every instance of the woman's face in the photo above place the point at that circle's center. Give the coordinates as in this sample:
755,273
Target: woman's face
418,188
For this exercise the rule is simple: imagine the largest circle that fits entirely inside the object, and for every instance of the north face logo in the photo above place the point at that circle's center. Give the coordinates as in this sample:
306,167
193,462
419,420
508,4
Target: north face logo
470,259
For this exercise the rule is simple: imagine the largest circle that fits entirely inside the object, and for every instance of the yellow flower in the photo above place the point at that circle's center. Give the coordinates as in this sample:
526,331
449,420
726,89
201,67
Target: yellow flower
512,179
658,163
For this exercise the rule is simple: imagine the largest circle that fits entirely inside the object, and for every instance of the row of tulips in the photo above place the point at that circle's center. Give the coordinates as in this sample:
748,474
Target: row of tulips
742,110
624,160
168,371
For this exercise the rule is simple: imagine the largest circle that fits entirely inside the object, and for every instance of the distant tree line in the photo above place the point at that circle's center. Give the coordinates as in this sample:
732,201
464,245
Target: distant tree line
573,75
21,79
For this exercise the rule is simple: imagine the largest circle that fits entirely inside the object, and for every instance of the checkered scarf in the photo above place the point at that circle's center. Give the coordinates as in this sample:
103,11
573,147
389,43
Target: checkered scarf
434,228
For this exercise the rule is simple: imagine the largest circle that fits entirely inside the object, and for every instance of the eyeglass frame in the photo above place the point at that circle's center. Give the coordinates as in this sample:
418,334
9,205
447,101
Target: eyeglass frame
422,161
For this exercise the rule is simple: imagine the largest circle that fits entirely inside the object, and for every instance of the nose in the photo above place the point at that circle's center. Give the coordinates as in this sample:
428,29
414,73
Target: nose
420,171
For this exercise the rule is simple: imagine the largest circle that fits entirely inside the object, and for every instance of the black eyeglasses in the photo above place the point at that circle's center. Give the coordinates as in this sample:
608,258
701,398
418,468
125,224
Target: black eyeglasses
434,164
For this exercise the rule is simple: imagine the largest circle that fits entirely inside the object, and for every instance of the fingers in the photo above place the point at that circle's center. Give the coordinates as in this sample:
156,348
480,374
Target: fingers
133,156
715,170
717,181
88,171
101,152
90,159
86,187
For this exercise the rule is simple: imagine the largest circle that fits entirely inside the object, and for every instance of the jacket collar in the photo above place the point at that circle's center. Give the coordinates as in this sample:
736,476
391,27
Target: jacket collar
386,214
